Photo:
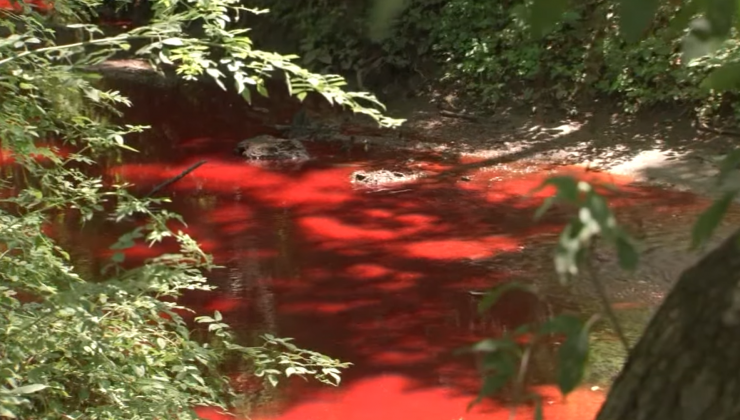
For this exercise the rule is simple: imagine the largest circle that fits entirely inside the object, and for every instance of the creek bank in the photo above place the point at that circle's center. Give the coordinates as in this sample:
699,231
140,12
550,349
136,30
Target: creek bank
662,149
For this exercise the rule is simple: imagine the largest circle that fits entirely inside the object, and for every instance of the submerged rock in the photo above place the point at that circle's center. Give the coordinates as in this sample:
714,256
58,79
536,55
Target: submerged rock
271,148
383,177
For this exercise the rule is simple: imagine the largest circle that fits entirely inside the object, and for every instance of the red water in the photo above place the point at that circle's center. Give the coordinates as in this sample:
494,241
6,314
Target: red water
376,278
39,5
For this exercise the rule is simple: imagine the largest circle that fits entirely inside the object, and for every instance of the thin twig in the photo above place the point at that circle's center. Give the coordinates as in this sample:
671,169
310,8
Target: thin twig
175,179
601,292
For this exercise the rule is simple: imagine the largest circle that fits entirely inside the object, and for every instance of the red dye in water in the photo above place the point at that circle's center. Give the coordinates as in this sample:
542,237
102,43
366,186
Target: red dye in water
379,278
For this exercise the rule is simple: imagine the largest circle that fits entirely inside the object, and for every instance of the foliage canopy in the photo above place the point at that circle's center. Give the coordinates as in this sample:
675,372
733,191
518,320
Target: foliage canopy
111,345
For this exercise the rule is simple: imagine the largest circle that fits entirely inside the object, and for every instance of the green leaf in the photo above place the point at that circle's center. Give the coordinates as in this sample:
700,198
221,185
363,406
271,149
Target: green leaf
573,353
4,412
493,295
681,19
570,250
598,211
503,366
118,257
273,380
567,189
635,17
546,14
546,205
93,94
699,42
382,15
721,16
561,324
626,252
708,221
247,95
724,78
28,389
730,163
262,90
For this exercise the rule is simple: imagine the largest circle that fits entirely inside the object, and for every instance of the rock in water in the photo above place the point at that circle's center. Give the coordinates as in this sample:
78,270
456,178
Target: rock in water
383,177
271,148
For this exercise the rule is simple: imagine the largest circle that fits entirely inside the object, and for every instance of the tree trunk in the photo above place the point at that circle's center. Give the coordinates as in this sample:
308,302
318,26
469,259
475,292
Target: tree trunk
686,366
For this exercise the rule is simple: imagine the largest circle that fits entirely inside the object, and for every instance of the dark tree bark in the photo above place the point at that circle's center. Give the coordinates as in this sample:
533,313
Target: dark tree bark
686,366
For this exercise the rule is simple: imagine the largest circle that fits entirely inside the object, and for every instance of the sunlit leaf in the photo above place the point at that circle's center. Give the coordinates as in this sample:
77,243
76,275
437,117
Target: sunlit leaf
173,41
699,42
4,412
28,389
570,251
273,380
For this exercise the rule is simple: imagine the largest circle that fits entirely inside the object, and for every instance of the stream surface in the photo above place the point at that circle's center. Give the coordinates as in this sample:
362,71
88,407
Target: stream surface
380,278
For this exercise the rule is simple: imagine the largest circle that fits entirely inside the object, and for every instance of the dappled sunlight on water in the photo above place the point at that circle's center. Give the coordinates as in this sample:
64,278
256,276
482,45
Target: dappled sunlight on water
380,278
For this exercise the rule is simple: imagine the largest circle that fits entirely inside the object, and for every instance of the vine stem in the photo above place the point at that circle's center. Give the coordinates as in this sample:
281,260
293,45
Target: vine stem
602,294
519,385
101,41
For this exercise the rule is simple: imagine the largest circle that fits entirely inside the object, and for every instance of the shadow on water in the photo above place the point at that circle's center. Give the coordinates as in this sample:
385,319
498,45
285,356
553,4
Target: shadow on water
379,278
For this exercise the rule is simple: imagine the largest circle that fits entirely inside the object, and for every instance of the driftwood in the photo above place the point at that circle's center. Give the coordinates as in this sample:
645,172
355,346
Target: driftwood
460,115
174,179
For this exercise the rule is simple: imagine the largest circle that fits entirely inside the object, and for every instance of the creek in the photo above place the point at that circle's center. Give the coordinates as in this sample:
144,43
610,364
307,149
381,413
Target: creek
381,278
